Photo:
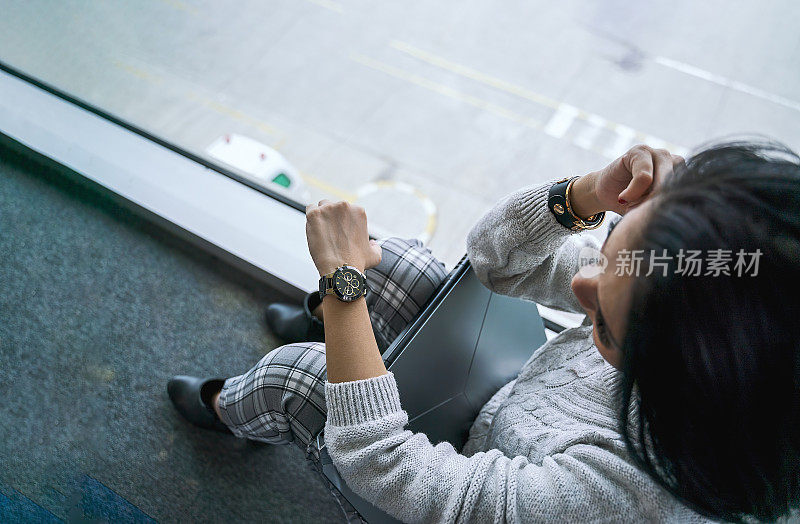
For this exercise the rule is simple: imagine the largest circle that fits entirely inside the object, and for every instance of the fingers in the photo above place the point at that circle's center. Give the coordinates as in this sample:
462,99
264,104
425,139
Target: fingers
337,233
377,254
639,163
340,212
664,165
649,168
322,202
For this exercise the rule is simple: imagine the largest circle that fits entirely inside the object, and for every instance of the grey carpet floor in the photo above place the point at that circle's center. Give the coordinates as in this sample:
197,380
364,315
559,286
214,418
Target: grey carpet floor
98,308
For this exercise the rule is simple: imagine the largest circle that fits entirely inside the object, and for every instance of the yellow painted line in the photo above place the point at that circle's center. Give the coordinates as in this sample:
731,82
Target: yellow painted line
244,117
222,109
324,186
279,144
307,178
404,187
236,114
328,4
473,74
430,226
491,81
239,115
508,87
446,91
137,72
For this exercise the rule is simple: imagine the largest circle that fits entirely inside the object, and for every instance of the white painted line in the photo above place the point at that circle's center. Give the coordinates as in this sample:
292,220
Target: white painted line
427,204
557,126
430,207
622,142
597,120
560,122
590,131
727,82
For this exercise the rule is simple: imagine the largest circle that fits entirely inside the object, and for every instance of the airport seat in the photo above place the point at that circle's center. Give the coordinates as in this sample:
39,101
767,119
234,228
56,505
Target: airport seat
464,345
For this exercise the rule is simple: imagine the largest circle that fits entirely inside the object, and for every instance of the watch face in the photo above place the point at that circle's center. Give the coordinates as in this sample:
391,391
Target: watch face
348,284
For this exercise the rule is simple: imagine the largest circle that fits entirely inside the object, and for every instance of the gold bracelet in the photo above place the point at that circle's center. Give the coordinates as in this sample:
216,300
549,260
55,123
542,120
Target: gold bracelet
583,224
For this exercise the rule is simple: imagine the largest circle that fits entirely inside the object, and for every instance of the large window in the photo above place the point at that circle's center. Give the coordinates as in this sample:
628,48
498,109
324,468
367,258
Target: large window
424,112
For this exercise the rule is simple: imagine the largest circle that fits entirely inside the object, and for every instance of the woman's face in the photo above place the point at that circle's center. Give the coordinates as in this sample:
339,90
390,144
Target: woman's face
606,297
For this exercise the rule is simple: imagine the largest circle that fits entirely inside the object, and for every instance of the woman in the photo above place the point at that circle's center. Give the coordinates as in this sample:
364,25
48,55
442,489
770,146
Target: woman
677,399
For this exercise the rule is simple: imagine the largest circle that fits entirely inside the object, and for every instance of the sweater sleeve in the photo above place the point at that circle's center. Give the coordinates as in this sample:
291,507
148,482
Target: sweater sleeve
519,249
403,474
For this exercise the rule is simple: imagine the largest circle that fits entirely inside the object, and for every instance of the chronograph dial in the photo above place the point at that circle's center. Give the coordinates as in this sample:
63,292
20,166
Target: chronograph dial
347,283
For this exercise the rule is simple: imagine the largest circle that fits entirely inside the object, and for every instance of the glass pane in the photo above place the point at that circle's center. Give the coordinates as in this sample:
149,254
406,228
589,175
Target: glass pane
426,113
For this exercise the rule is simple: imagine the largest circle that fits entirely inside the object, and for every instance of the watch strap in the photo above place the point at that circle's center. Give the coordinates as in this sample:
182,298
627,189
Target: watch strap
326,285
559,205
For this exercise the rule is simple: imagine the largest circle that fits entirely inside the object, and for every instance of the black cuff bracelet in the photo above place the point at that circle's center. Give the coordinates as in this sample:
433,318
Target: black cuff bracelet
558,203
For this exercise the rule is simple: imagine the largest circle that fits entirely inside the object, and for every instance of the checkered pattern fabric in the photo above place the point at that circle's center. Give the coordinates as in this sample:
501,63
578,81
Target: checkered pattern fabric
282,398
399,286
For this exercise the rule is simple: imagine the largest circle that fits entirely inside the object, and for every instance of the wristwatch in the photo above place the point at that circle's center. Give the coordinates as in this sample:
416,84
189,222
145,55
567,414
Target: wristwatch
346,283
559,204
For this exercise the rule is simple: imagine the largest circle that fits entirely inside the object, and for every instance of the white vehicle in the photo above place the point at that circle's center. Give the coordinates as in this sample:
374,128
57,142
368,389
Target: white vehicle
259,163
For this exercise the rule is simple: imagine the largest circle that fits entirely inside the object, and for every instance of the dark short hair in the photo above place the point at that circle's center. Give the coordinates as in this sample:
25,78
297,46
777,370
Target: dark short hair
711,364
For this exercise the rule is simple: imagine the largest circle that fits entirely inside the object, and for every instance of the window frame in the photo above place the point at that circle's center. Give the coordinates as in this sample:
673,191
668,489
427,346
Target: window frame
45,121
258,230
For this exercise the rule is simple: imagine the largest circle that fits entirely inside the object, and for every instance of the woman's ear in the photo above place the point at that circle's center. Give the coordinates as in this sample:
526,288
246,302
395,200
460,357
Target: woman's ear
585,290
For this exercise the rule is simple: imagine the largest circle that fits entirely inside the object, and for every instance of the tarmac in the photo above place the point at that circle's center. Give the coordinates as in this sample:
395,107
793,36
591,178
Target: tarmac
425,113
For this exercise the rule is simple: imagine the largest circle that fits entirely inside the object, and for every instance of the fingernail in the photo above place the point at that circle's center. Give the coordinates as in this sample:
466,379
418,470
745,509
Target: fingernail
622,201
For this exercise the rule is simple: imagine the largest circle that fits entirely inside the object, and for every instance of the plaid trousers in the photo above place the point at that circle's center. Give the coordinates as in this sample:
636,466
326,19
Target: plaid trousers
281,400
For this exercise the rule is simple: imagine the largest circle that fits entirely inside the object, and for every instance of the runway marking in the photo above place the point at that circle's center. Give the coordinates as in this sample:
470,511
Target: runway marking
403,187
281,139
565,116
561,121
137,72
446,90
727,82
218,107
468,72
328,4
235,114
587,136
622,142
328,188
563,110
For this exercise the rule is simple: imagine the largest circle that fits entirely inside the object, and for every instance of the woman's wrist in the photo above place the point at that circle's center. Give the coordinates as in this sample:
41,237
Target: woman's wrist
583,197
326,268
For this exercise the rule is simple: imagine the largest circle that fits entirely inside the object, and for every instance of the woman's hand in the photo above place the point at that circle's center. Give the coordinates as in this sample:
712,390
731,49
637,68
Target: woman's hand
337,235
624,183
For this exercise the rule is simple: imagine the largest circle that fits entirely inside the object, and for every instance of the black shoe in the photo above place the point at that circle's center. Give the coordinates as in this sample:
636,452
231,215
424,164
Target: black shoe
192,398
295,323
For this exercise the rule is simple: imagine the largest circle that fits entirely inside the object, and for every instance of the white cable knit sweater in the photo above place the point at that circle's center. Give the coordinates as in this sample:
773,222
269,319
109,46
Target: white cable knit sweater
545,448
